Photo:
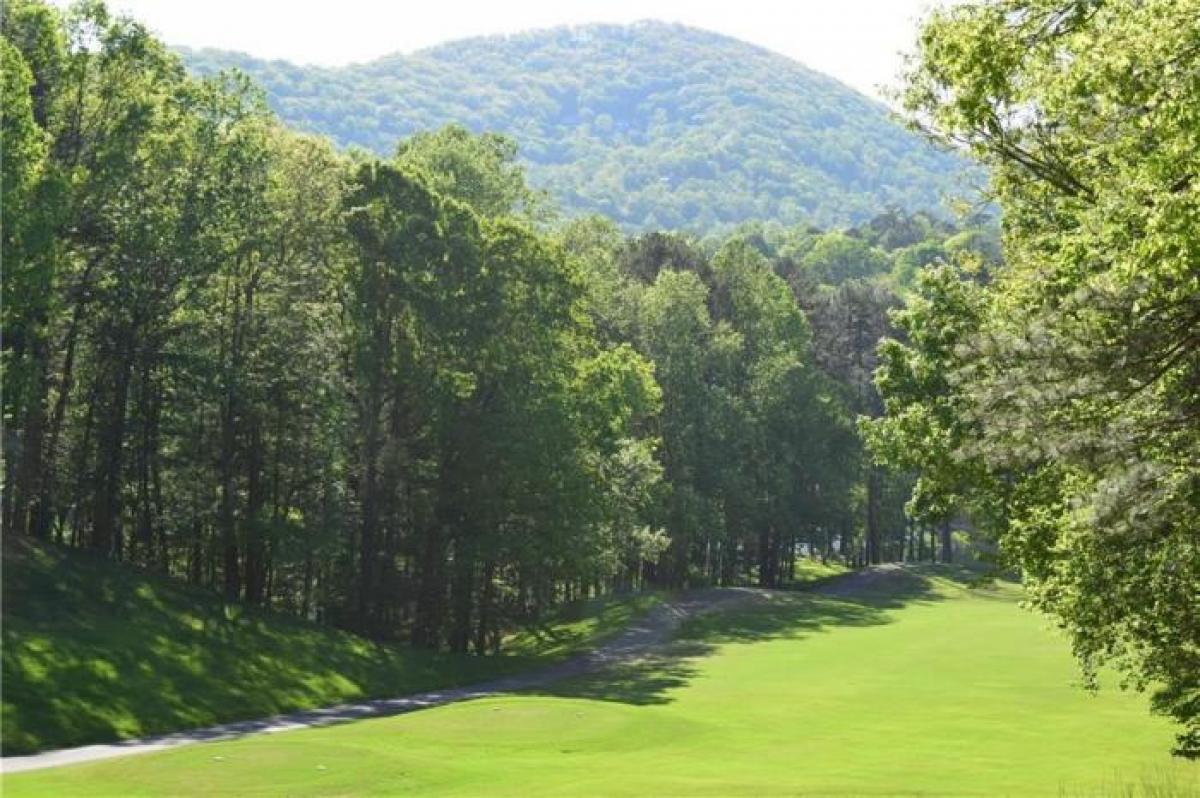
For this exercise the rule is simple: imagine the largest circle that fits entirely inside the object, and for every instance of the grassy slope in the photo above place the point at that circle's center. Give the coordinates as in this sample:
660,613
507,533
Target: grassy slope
927,688
95,652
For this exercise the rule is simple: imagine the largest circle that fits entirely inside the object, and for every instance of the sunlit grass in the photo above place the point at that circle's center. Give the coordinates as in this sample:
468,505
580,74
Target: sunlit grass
923,687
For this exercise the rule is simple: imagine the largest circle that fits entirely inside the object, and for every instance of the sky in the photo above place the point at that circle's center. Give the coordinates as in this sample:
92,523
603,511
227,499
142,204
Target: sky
856,41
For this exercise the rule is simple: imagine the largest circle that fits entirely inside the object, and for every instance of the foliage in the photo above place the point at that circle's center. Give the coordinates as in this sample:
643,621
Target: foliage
380,393
389,396
1060,401
360,391
926,415
480,171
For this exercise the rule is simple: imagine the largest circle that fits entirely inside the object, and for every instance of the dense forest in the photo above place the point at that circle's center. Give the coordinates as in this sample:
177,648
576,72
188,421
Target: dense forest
399,394
655,126
378,392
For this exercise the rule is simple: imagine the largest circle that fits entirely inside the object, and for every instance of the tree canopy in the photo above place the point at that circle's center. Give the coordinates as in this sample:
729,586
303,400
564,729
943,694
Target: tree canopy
394,393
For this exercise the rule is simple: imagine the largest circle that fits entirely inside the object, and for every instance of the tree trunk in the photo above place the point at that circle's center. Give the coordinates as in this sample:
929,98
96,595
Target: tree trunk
26,511
462,594
791,558
144,535
369,526
255,556
764,559
874,533
225,516
66,383
106,529
427,622
83,510
306,606
196,553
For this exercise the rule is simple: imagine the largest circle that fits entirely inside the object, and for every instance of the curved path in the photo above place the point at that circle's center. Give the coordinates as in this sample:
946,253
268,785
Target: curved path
651,631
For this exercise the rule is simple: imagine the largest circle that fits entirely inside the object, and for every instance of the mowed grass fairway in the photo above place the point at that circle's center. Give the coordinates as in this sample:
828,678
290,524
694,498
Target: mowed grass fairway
915,685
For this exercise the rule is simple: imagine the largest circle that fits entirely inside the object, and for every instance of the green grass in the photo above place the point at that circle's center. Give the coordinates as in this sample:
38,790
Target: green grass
925,688
809,571
94,652
578,626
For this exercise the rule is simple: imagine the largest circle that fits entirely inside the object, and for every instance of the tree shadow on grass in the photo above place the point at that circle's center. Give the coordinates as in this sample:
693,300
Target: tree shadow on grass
855,600
95,652
646,680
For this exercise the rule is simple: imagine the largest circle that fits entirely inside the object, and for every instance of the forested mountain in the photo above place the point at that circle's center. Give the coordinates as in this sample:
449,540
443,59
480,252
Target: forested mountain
654,125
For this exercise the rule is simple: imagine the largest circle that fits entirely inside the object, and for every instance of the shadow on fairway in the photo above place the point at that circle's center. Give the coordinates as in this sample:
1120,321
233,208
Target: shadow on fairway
854,600
647,680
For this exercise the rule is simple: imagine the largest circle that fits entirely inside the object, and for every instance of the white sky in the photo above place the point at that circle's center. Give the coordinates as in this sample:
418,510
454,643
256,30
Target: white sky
857,41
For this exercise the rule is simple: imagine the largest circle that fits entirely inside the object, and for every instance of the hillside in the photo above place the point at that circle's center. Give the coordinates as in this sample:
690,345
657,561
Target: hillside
95,651
654,125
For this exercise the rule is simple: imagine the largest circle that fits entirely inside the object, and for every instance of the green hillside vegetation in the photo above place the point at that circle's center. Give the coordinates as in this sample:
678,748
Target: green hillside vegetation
921,685
97,652
653,125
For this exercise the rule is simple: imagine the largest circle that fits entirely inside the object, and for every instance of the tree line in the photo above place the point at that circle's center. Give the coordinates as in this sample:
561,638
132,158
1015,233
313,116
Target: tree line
390,394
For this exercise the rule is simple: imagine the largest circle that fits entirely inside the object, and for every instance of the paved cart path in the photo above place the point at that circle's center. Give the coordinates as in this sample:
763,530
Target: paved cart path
652,631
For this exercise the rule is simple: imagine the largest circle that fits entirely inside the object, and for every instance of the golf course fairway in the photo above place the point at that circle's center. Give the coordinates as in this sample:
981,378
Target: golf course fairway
915,684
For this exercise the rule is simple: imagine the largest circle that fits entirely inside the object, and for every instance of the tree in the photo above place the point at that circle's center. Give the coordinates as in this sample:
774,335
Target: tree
926,420
27,204
836,257
848,322
674,330
1083,379
396,226
478,170
379,393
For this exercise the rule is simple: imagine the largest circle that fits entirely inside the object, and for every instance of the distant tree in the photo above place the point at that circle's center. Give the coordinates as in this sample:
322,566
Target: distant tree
836,257
927,421
655,126
478,170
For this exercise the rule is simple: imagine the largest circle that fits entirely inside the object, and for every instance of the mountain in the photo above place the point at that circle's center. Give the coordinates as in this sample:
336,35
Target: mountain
655,125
